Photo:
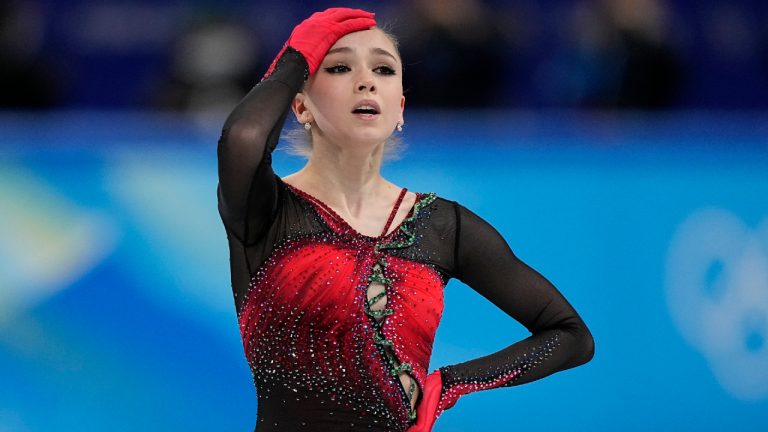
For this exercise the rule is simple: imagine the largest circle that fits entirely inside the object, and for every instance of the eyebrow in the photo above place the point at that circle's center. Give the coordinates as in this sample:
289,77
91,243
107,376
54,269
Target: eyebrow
377,51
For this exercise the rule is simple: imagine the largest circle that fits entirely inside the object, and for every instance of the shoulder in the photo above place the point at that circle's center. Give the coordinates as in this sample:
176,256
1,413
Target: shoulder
433,201
439,202
444,204
437,212
464,218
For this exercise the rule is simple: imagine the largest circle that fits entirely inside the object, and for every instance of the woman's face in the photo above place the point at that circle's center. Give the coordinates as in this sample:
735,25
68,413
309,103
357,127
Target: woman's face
356,96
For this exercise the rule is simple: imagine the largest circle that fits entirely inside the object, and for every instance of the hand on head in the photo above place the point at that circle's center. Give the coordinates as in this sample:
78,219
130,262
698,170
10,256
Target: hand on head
314,36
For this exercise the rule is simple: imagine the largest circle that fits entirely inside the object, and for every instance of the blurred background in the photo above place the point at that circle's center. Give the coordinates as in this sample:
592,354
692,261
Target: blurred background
622,147
202,55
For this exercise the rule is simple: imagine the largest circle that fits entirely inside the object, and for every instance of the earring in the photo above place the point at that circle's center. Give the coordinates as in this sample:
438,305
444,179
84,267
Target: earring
307,126
399,127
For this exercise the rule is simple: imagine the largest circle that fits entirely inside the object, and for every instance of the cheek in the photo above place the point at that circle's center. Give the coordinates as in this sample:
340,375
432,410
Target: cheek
326,101
394,98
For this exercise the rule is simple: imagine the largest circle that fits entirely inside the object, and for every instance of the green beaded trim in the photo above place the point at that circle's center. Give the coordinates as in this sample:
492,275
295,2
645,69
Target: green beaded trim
406,367
411,390
402,367
411,413
380,313
377,275
410,236
382,341
396,369
376,298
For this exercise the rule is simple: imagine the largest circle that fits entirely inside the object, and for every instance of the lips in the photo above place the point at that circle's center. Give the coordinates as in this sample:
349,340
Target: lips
366,107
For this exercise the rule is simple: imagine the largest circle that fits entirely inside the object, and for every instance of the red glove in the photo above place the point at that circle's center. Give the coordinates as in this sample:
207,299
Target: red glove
317,34
426,412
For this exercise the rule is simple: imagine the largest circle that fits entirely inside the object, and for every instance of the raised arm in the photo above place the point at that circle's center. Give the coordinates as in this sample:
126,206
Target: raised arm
247,194
247,190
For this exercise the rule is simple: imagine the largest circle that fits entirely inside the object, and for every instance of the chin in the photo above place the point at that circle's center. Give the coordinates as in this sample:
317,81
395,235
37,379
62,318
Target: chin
370,137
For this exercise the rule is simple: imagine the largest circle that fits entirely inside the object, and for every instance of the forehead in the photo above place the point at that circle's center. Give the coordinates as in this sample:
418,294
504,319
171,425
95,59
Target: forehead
365,40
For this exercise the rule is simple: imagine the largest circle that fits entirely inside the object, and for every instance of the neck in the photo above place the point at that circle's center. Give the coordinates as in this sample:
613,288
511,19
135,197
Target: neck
349,178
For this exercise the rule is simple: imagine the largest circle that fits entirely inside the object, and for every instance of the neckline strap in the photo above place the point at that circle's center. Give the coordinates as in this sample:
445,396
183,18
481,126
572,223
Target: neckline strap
394,212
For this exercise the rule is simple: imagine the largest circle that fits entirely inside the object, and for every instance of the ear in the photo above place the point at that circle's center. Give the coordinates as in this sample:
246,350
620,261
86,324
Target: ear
300,109
402,109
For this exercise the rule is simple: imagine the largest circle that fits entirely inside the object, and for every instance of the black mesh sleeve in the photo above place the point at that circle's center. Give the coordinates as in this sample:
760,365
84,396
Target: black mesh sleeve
247,191
560,340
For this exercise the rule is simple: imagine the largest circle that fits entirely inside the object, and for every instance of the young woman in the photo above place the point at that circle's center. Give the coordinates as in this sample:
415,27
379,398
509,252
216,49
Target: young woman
338,274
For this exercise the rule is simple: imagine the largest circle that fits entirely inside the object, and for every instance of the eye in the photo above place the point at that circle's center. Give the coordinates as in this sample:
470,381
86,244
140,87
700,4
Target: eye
340,68
384,70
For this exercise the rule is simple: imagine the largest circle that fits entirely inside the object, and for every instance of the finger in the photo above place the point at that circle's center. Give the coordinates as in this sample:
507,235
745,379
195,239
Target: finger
342,14
358,24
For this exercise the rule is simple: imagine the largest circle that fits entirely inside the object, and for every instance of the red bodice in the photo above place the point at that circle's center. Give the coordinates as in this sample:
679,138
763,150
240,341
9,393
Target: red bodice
307,323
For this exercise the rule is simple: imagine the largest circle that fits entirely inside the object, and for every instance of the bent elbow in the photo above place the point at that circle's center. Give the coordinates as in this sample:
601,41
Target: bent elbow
581,344
589,349
586,346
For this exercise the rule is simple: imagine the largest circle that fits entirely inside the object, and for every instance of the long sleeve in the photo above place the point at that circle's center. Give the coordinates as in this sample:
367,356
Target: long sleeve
559,338
247,191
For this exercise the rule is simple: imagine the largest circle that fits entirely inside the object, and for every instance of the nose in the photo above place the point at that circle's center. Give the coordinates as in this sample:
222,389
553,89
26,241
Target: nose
365,83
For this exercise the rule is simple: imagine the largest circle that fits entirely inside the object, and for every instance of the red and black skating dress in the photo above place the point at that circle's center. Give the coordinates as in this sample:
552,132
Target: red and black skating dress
331,319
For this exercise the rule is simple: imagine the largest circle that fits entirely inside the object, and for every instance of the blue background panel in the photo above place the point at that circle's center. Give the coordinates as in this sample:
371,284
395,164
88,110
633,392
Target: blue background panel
116,311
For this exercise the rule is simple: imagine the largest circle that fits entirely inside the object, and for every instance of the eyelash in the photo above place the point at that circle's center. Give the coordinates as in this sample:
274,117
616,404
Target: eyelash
336,69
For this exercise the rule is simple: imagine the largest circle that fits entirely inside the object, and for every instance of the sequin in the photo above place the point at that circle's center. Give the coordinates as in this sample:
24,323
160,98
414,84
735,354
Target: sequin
337,326
310,323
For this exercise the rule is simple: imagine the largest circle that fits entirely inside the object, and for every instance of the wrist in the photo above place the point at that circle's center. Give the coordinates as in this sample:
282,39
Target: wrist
289,59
